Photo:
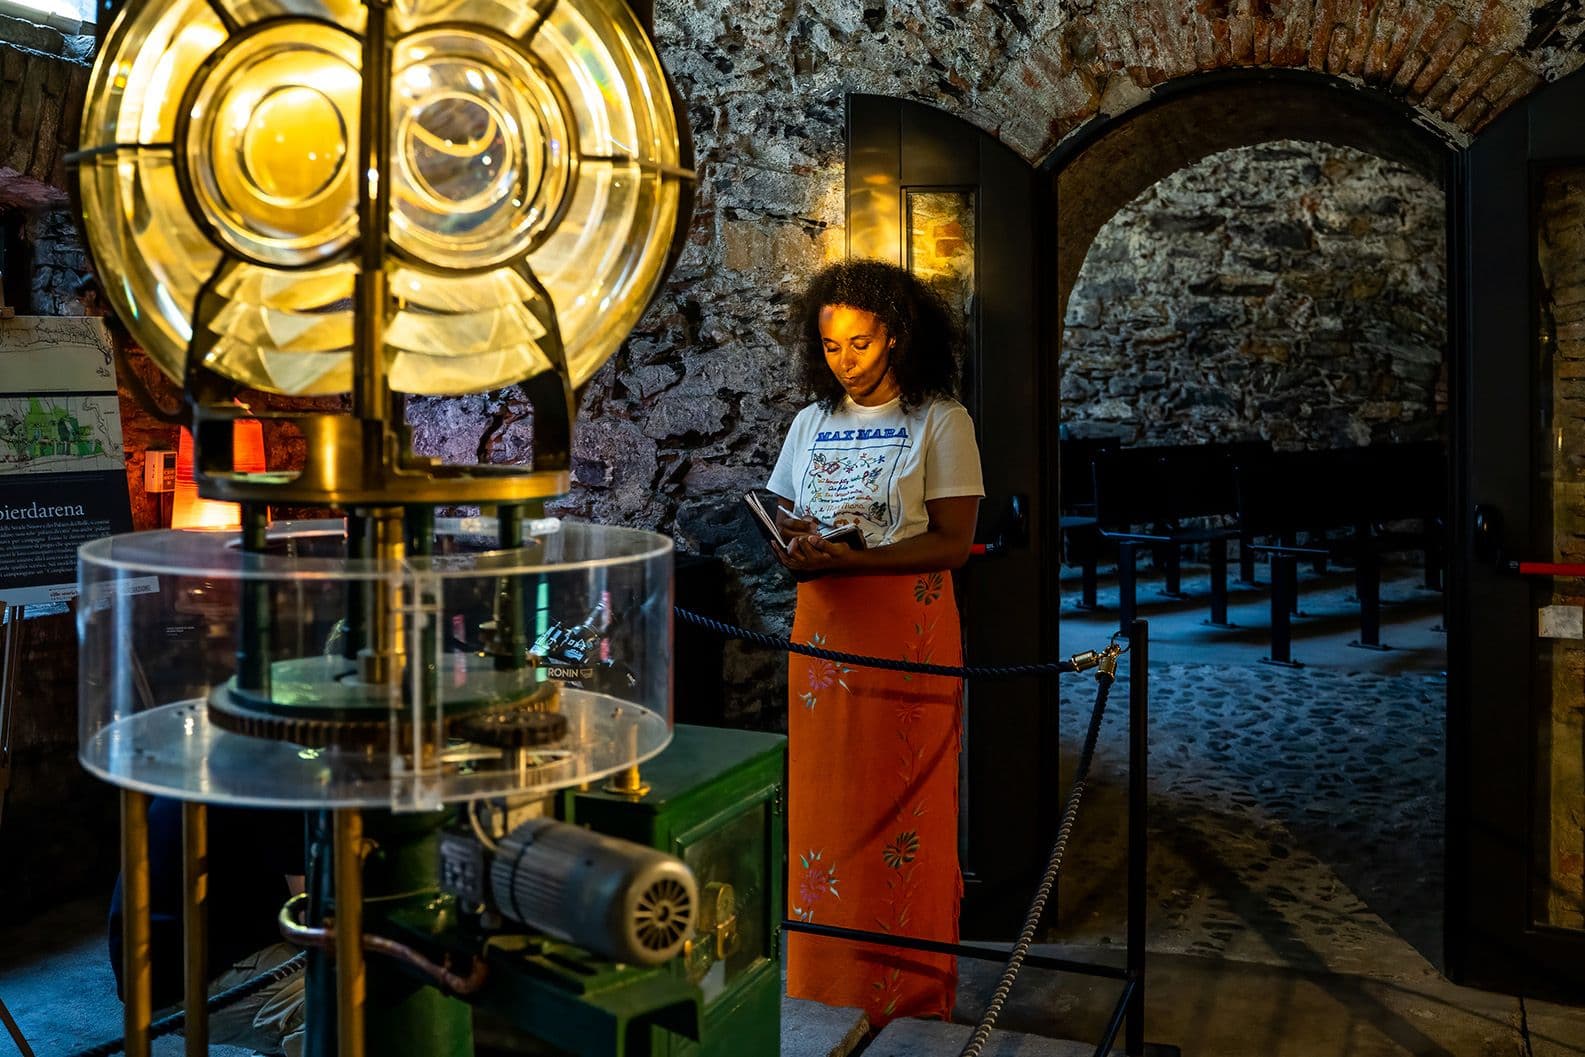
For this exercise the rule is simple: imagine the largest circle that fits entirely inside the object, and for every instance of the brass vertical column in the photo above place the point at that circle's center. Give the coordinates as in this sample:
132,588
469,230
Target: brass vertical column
137,971
385,627
195,926
350,982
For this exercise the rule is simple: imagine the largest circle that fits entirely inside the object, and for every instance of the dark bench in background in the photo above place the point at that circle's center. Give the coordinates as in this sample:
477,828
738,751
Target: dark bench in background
1147,497
1346,501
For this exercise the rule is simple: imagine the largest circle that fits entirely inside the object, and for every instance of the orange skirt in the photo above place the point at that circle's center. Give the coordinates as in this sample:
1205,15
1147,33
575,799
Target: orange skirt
872,821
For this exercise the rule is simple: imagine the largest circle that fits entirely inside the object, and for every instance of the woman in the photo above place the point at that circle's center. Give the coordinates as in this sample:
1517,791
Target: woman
873,805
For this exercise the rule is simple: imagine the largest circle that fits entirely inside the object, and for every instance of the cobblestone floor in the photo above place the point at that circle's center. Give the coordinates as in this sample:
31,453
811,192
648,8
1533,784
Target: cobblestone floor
1296,815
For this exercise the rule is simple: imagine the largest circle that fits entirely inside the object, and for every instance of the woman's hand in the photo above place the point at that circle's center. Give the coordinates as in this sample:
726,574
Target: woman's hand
812,553
793,526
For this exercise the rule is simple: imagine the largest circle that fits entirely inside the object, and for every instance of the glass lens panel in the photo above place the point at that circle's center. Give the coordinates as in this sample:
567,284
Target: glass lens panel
511,17
348,13
480,146
548,151
272,144
1558,898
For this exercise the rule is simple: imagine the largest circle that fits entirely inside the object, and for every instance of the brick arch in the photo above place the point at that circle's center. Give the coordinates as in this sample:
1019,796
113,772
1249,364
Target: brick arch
1458,65
1097,171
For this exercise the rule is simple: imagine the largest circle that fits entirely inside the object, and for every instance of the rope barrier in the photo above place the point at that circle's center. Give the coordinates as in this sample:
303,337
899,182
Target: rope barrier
1048,880
1077,663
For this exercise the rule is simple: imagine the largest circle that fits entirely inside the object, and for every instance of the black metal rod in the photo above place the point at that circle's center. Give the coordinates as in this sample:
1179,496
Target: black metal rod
988,954
253,621
511,609
319,980
1138,831
1282,567
1174,569
1124,1005
1367,585
1219,582
1127,583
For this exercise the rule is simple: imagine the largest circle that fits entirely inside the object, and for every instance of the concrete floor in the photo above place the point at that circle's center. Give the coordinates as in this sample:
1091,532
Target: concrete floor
1283,924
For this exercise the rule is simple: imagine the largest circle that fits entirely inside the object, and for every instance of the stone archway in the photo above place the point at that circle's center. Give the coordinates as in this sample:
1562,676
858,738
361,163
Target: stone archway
1107,164
1090,175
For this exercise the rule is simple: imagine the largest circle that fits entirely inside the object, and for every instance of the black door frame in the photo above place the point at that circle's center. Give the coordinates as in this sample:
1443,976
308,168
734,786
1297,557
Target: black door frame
1491,834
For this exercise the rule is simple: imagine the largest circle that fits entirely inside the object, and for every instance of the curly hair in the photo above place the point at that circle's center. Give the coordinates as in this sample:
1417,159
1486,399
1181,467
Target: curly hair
928,335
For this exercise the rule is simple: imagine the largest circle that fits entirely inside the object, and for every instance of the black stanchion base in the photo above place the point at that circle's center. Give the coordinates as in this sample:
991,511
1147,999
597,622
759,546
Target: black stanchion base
1219,624
1281,664
1379,647
1176,596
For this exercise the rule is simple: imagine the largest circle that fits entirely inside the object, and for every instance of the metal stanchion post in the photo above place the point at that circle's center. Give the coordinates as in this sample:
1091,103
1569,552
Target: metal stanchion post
350,982
9,655
195,926
1138,819
137,973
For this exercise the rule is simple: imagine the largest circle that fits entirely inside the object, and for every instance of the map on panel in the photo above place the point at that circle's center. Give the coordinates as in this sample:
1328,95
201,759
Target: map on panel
43,434
63,470
58,406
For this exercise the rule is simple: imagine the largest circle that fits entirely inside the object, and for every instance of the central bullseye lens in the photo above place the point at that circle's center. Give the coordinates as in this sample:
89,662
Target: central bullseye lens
294,145
273,127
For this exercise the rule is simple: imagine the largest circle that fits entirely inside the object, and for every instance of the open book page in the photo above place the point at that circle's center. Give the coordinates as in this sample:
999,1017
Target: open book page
767,521
765,517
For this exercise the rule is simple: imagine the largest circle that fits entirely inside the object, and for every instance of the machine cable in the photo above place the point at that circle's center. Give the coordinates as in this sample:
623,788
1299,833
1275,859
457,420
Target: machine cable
217,1001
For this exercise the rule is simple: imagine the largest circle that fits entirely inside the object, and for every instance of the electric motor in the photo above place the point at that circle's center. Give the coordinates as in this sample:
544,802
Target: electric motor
612,897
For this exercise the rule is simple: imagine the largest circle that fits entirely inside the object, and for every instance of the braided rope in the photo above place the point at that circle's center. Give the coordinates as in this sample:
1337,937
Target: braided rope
1048,880
759,638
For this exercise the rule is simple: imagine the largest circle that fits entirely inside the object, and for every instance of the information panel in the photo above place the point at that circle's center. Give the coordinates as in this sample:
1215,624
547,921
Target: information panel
63,478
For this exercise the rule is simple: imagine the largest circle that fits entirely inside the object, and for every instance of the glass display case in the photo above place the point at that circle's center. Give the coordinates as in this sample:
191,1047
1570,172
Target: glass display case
228,676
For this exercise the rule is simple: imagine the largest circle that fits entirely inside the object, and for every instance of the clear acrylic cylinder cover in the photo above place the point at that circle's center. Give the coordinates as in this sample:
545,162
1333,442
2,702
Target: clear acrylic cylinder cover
290,675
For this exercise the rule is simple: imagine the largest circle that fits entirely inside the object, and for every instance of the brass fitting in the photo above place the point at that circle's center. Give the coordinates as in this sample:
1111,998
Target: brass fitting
1083,662
1108,662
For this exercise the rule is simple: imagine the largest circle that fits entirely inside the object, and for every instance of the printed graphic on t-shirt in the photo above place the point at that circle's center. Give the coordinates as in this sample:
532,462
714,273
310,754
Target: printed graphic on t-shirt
848,480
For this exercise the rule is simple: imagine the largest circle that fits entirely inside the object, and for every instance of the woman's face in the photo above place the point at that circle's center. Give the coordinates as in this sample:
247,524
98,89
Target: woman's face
859,352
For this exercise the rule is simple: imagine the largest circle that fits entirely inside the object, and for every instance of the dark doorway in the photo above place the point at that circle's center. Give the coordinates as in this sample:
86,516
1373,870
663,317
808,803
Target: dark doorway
1512,875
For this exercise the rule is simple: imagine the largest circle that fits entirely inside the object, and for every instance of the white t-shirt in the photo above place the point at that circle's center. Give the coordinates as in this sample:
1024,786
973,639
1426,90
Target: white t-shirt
875,467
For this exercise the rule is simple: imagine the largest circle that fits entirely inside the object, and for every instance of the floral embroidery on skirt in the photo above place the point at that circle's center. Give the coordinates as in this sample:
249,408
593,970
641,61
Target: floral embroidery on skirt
874,787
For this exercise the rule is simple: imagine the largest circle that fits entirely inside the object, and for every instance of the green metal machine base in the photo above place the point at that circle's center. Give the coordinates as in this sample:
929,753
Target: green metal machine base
715,801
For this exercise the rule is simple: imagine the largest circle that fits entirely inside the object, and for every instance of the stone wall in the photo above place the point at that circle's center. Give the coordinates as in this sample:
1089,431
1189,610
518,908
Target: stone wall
1293,292
43,77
